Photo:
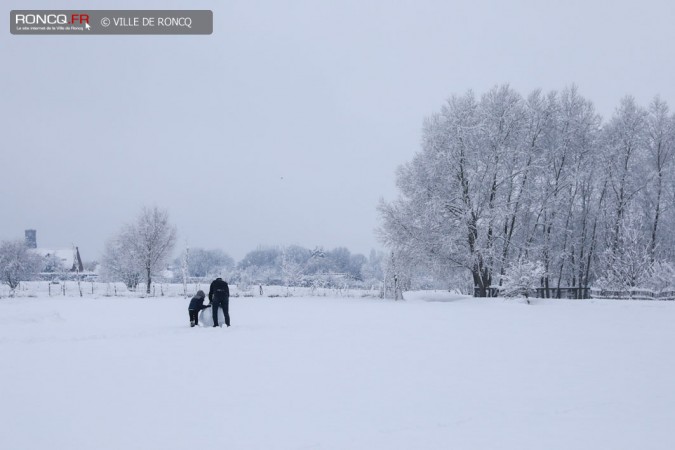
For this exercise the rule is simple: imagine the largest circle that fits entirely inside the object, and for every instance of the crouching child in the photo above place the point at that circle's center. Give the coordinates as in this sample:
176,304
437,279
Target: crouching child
196,305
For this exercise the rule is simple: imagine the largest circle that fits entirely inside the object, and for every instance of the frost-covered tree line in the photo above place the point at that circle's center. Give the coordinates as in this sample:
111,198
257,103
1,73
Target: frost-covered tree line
141,251
507,185
288,266
202,263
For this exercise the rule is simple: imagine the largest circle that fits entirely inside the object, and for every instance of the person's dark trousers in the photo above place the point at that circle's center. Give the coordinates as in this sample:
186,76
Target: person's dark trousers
225,304
194,316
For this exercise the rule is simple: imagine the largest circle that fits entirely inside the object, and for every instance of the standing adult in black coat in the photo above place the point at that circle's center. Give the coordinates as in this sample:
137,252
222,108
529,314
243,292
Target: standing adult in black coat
219,295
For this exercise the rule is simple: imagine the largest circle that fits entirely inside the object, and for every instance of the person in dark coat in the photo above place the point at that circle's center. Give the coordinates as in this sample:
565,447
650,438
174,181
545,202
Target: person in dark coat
196,305
219,295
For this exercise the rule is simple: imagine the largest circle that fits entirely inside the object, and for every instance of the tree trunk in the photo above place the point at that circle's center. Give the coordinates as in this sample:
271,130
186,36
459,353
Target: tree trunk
591,250
478,281
652,244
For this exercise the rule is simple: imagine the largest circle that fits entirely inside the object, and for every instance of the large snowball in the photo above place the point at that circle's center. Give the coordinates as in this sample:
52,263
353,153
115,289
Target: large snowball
206,317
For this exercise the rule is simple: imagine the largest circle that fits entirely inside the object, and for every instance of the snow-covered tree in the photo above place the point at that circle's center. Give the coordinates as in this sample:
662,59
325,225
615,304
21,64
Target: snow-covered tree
624,157
17,263
561,189
372,269
396,276
293,261
120,262
455,191
153,238
661,159
184,265
627,262
142,248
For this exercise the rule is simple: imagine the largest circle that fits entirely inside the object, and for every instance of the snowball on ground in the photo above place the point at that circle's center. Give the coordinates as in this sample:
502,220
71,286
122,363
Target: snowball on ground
206,317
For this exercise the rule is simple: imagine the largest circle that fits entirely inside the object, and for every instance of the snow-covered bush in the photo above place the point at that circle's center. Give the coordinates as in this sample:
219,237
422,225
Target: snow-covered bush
522,278
627,264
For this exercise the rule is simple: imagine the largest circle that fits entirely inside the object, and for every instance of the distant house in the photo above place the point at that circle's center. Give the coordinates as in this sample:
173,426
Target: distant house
68,258
61,262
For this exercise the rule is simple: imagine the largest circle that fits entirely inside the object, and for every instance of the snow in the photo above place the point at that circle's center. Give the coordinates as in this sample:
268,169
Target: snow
436,371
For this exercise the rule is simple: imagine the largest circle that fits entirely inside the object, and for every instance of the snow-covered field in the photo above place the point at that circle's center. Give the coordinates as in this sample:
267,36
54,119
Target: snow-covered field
434,372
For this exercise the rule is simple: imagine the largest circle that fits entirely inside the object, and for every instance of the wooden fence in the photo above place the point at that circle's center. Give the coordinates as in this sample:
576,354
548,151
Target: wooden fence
584,293
633,294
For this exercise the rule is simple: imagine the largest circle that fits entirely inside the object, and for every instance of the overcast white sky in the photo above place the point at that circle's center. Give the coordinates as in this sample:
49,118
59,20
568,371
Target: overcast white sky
286,125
